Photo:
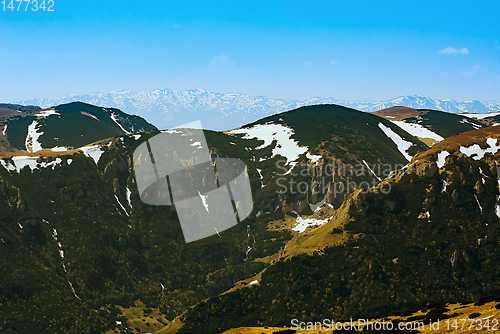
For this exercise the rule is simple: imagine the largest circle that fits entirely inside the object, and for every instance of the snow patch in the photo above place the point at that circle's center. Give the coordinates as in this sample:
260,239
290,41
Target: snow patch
31,143
115,119
128,197
4,130
478,204
442,158
402,145
366,164
196,144
444,186
313,158
46,113
474,125
123,208
481,116
285,146
19,162
58,149
69,161
253,282
204,202
303,224
260,173
418,130
93,152
477,153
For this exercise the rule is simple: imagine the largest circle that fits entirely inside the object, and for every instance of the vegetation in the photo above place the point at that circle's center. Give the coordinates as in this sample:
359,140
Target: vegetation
77,258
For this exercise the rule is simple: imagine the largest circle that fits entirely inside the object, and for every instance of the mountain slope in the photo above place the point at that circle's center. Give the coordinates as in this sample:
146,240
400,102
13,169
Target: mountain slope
325,147
65,126
434,237
72,221
83,252
167,108
431,126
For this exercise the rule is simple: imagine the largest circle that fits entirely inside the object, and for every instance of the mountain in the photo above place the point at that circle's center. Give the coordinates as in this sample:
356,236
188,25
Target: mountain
432,238
334,192
82,254
432,126
64,126
339,144
166,108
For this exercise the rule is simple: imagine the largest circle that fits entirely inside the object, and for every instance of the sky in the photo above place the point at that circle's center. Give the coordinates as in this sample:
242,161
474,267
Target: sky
349,50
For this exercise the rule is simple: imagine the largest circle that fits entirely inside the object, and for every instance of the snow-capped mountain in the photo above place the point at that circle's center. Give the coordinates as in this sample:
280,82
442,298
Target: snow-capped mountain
167,108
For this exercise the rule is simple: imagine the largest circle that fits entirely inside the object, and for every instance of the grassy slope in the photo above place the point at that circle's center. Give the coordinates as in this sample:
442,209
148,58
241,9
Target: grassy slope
443,123
450,321
345,132
72,128
397,261
109,262
335,132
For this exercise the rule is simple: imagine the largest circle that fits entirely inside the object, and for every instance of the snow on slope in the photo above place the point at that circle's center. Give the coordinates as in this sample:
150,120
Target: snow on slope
19,162
46,113
442,159
481,116
115,119
31,142
285,146
477,153
476,126
418,130
402,145
93,152
303,224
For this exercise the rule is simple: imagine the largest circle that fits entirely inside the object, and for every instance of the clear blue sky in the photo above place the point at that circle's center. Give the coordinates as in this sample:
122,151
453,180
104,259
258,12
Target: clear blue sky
281,49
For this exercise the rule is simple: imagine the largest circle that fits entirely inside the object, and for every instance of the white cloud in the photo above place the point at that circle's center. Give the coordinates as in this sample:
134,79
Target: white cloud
333,62
307,64
450,50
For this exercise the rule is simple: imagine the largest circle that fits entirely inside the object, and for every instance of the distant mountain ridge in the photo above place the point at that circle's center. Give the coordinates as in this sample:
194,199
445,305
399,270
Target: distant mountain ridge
166,108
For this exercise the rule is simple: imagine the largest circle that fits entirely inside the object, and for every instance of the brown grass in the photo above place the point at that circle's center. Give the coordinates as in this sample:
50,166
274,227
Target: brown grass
459,311
466,139
138,319
399,113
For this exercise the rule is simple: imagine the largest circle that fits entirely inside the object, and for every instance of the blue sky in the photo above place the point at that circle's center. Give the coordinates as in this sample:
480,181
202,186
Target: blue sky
349,50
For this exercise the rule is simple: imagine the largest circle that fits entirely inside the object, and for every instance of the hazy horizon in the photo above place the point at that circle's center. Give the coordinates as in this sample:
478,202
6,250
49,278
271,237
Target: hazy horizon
282,50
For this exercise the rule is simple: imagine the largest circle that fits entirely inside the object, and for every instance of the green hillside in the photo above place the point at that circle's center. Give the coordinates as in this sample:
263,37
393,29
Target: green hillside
79,257
73,125
111,258
401,257
444,123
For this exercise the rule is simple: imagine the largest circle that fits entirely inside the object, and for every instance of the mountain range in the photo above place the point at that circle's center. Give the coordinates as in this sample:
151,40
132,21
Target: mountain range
353,216
166,108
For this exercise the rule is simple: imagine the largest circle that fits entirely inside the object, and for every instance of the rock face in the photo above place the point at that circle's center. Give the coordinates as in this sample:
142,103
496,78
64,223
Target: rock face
427,169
